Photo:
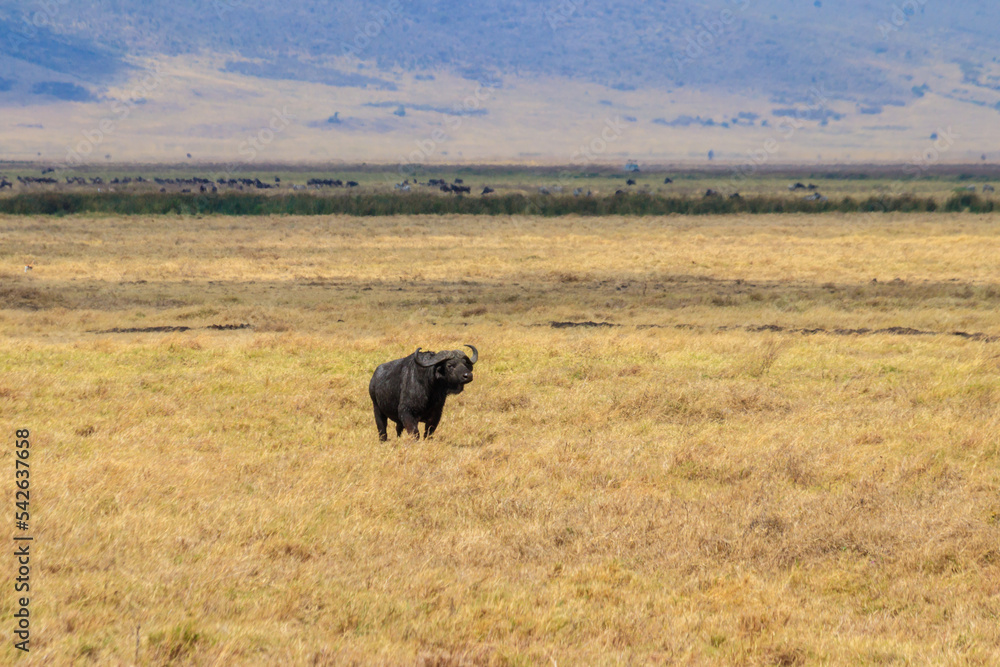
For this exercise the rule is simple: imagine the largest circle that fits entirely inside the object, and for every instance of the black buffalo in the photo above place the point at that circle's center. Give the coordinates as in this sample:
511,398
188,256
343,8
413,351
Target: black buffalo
413,389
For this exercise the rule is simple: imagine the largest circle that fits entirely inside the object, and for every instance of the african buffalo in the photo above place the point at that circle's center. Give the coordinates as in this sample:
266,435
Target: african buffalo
413,389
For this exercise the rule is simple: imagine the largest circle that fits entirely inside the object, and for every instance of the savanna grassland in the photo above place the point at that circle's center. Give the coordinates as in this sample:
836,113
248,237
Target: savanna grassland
750,457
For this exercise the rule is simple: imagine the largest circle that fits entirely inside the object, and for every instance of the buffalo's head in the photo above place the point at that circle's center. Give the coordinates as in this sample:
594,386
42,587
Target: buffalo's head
452,366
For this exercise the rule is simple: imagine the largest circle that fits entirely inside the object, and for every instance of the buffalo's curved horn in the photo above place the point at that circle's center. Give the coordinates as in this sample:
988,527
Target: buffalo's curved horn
434,360
475,353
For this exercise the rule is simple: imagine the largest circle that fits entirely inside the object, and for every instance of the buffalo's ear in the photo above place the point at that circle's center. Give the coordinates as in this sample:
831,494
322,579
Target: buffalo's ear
439,370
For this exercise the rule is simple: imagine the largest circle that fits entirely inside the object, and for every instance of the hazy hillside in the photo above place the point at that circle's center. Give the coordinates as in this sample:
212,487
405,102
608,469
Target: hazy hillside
774,46
864,55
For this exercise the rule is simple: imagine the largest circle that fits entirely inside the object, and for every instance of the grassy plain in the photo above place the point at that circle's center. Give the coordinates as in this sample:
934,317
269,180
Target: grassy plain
697,483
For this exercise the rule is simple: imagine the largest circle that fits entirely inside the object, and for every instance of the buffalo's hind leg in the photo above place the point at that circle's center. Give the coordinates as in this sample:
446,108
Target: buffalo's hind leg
380,423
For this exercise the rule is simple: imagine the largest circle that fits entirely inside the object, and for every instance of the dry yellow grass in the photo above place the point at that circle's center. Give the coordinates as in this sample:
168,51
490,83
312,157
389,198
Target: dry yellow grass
691,492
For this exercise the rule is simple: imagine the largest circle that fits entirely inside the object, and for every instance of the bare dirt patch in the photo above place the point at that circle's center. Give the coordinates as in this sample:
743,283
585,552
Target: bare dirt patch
172,329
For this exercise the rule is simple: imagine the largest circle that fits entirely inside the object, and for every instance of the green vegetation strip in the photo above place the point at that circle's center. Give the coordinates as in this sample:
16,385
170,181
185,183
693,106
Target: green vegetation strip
432,204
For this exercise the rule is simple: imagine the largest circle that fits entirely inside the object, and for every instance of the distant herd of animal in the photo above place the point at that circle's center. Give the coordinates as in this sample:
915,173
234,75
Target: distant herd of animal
205,185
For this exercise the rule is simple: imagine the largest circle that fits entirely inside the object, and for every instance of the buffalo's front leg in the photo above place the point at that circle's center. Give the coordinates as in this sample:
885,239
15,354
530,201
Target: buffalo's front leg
410,424
432,424
399,428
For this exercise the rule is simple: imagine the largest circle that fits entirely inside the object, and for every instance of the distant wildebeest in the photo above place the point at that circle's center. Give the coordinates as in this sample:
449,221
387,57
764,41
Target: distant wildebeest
630,181
488,190
735,195
352,184
987,188
796,186
711,193
668,180
413,389
459,181
330,182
